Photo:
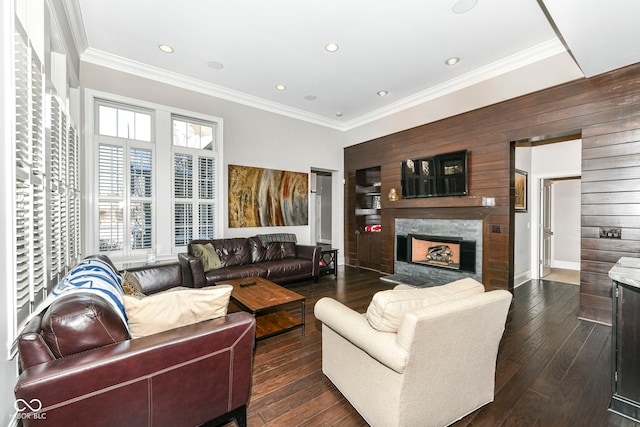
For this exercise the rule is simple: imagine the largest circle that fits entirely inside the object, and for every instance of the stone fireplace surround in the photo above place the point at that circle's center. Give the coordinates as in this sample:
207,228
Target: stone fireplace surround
416,274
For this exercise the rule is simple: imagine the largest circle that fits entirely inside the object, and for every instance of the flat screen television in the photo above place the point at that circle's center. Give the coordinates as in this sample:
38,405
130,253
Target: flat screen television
437,176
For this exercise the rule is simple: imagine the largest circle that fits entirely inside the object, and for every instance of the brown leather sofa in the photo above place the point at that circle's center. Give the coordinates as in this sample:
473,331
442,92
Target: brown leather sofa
280,262
87,371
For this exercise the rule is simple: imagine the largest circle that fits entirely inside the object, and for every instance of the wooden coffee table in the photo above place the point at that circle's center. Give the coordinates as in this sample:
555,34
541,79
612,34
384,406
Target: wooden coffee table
267,302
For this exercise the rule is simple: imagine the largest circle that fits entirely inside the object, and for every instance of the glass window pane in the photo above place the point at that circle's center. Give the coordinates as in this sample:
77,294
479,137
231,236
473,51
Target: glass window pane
143,127
206,138
179,133
193,136
126,124
108,121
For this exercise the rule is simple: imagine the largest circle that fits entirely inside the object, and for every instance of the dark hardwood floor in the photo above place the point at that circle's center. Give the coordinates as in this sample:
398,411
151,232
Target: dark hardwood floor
553,369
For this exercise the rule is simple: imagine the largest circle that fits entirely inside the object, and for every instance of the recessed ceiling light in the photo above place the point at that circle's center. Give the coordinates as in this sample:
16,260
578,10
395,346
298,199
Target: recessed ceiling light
339,114
215,65
165,48
281,87
452,61
331,47
383,93
310,97
463,6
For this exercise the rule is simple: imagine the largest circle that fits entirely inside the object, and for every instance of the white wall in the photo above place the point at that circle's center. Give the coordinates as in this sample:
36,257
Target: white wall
566,224
522,241
252,137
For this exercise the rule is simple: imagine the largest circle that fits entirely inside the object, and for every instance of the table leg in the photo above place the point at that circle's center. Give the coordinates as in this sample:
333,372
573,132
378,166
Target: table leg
302,317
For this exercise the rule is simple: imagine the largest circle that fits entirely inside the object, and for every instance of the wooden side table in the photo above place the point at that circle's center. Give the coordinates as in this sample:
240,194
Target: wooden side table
329,262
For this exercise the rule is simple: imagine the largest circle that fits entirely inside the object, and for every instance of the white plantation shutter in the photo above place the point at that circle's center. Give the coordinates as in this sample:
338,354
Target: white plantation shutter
23,174
111,195
183,196
193,211
206,193
206,221
141,198
57,138
30,250
73,197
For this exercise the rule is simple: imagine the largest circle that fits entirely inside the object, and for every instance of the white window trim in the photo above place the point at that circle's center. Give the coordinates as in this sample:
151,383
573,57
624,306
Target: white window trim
163,154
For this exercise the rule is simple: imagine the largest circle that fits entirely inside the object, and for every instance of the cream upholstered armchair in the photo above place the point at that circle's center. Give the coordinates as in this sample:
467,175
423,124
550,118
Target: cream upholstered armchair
418,357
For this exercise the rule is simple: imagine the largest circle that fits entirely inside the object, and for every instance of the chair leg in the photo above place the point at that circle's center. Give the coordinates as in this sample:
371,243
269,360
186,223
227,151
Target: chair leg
239,414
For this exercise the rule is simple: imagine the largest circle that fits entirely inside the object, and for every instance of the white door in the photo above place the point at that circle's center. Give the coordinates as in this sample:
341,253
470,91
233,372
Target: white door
545,227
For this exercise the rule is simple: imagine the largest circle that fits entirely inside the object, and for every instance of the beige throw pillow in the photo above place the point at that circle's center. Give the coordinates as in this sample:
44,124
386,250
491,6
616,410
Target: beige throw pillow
208,256
174,308
387,308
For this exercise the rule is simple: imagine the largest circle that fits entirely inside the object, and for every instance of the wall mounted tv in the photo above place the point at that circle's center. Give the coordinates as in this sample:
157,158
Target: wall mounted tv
437,176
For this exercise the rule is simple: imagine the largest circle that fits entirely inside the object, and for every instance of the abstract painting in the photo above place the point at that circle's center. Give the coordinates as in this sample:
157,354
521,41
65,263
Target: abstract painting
267,197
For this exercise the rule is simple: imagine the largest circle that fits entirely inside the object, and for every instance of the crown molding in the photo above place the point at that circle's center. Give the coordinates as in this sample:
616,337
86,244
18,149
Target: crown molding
521,59
139,69
74,15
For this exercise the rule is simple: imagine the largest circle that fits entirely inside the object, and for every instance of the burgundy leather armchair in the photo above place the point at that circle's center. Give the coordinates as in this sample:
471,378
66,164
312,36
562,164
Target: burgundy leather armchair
80,368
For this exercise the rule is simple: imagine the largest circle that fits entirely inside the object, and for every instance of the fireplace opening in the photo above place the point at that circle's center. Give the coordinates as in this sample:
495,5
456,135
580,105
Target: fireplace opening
452,253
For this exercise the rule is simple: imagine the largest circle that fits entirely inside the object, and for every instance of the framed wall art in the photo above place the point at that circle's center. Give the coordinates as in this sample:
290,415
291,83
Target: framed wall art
521,186
267,197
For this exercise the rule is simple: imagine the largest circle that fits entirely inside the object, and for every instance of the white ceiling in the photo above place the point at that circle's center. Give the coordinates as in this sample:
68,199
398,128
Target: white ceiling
399,46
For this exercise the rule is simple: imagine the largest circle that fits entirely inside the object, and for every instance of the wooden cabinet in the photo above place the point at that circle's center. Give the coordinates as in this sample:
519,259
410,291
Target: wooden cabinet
625,398
368,217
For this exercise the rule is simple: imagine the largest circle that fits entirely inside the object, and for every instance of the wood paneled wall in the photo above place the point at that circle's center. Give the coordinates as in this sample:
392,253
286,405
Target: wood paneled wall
604,109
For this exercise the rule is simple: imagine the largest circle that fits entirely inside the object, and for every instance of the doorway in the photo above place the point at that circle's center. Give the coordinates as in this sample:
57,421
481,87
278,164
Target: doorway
559,230
322,193
547,233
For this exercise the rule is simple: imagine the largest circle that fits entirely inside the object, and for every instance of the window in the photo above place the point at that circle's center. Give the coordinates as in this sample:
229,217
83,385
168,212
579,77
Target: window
154,180
194,180
125,179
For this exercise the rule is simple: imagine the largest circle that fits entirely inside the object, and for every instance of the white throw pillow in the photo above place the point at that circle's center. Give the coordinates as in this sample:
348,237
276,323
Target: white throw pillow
387,308
174,308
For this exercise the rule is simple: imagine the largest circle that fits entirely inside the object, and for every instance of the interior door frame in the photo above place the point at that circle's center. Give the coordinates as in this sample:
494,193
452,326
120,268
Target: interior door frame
536,179
546,217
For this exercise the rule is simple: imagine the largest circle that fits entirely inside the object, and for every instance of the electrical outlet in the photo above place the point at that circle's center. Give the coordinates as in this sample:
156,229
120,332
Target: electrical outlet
496,228
610,233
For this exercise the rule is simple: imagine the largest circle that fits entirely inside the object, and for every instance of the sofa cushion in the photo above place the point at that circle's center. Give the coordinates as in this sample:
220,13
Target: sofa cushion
234,272
174,308
387,308
277,237
81,321
290,267
234,251
208,256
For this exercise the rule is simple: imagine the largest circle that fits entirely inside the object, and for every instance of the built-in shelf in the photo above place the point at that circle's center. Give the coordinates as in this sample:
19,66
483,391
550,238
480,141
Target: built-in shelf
368,211
371,190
